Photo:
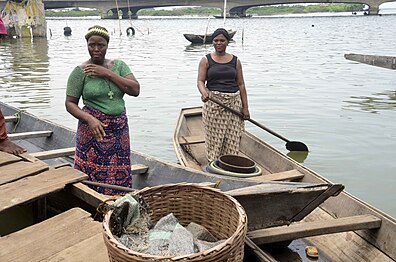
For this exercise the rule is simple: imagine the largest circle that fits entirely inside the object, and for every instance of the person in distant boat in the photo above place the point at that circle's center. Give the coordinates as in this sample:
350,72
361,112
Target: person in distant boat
5,144
102,142
220,76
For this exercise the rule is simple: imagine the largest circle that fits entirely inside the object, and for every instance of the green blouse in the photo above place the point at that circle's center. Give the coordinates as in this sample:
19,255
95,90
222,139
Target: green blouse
97,91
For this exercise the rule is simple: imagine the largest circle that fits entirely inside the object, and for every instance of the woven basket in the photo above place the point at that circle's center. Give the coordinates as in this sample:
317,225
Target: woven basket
221,214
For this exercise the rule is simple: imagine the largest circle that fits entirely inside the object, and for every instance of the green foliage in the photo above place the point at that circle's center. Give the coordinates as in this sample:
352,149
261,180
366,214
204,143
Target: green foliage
72,13
207,11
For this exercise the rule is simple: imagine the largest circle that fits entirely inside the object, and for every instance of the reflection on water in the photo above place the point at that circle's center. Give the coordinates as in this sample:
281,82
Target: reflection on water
379,101
24,72
298,156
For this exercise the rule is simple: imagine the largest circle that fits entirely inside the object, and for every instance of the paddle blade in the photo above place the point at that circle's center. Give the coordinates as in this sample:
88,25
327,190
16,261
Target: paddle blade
296,146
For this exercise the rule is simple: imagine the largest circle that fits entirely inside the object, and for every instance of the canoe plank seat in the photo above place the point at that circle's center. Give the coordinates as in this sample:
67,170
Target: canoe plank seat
69,236
137,169
27,135
291,175
193,112
63,152
190,140
13,118
307,229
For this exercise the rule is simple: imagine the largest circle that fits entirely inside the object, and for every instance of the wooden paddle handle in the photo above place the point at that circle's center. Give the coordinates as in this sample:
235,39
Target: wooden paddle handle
250,120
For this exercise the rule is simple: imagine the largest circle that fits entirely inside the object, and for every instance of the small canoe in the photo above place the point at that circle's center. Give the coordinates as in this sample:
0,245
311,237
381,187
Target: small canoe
364,232
204,39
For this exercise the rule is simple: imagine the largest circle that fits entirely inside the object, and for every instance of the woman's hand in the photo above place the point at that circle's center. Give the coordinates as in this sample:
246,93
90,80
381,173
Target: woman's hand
245,113
95,70
204,95
97,128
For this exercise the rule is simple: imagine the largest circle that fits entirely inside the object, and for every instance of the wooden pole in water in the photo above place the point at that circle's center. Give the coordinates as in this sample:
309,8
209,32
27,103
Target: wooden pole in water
224,12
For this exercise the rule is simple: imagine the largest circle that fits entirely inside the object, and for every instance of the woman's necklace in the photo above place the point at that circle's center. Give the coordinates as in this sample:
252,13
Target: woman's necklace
110,93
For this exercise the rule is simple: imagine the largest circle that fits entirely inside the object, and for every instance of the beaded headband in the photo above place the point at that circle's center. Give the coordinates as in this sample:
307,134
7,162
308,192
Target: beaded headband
97,30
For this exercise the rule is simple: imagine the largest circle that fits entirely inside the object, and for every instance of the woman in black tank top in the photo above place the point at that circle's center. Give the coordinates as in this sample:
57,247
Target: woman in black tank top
220,76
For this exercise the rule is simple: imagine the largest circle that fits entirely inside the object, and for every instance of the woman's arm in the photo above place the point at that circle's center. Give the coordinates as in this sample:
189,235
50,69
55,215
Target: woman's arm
94,124
242,90
202,70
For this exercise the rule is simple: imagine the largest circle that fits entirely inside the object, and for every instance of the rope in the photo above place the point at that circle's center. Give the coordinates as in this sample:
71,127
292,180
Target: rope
18,120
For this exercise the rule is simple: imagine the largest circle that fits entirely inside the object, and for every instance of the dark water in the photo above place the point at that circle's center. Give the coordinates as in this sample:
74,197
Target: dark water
298,81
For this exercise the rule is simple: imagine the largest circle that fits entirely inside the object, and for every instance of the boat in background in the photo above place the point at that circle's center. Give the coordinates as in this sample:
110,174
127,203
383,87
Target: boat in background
364,233
204,38
233,16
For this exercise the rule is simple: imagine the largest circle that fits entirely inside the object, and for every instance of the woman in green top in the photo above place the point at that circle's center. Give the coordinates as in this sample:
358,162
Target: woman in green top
102,142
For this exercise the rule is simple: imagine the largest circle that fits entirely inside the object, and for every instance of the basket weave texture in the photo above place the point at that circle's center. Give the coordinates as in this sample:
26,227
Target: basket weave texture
221,214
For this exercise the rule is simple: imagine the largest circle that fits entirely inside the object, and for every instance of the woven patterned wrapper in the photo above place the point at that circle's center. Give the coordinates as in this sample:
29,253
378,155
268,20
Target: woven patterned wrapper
222,128
221,214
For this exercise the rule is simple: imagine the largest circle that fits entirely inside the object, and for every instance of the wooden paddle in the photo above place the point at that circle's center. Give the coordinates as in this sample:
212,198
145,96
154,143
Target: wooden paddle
290,145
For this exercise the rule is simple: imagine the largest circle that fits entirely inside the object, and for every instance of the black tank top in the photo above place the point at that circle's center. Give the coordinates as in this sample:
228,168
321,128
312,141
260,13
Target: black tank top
222,76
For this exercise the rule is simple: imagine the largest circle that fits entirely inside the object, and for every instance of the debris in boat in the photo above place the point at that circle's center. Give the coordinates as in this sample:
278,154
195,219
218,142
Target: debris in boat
131,226
311,251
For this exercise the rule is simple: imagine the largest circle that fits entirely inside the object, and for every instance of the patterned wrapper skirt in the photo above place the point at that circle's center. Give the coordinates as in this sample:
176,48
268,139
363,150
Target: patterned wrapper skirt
222,128
107,161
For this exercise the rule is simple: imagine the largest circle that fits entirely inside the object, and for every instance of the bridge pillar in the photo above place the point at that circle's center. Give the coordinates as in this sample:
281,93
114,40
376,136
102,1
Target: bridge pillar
130,13
373,10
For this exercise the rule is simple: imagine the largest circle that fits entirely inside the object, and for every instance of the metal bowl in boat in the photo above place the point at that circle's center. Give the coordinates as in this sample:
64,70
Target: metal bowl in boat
237,164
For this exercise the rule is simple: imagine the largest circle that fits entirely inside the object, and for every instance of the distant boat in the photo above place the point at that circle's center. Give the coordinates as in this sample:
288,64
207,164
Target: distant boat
204,39
233,16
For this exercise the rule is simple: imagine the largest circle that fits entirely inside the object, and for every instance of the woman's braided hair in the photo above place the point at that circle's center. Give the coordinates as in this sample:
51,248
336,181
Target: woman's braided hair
97,30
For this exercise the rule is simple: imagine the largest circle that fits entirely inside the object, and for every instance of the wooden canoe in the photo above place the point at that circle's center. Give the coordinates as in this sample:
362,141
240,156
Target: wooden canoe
204,39
50,156
388,62
371,239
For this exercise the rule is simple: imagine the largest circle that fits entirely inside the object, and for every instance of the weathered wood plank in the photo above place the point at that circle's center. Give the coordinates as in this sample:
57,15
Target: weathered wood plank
388,62
333,190
91,249
306,229
349,246
6,158
27,135
290,175
50,237
138,169
260,254
21,169
87,194
193,111
13,118
34,187
54,153
190,140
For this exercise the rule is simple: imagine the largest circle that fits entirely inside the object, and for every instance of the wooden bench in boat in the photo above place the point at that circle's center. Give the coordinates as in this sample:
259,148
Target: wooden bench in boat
308,229
13,118
190,140
69,236
27,135
290,175
137,169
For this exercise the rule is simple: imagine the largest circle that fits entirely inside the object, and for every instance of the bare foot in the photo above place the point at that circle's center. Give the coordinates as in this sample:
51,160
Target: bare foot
10,147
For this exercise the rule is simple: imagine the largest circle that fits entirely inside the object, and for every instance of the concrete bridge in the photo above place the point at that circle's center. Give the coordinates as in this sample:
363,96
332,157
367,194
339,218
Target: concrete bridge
234,7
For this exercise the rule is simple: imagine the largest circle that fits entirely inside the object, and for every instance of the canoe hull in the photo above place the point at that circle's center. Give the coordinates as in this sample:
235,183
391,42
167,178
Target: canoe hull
189,147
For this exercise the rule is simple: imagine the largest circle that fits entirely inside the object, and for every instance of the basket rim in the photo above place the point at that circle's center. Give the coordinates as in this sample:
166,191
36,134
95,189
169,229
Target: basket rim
227,242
